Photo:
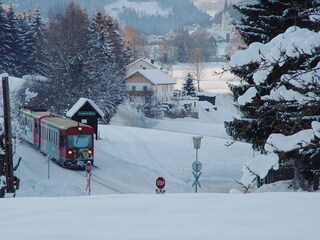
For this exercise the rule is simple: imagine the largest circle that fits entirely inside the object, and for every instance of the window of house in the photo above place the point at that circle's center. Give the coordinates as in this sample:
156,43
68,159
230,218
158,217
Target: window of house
133,88
145,88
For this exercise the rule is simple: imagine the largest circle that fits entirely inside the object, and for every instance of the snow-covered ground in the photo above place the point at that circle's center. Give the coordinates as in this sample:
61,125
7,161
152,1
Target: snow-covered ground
52,202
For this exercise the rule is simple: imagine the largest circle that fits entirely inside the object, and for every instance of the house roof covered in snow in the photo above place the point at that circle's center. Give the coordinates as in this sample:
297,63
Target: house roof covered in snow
80,103
155,76
147,61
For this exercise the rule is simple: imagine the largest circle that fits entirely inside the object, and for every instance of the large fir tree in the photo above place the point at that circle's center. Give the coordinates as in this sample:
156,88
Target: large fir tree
270,73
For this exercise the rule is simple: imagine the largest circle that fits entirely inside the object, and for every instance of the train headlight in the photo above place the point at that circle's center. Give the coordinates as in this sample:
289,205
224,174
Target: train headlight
70,152
90,152
80,128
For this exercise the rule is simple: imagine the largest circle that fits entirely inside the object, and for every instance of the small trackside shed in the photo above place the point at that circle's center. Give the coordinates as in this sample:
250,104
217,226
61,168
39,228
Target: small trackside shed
87,112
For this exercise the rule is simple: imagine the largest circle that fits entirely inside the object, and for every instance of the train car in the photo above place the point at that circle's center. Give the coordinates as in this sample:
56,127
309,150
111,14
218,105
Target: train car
69,143
30,120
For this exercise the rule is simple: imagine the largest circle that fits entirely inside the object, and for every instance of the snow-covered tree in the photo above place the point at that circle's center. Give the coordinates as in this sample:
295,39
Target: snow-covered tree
86,58
4,39
106,64
12,40
188,86
281,94
37,45
264,19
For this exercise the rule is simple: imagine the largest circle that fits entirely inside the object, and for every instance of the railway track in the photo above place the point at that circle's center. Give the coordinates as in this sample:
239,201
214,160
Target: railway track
95,178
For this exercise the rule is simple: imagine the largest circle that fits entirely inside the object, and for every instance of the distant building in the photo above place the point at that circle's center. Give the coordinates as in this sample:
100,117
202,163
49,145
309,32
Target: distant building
151,83
226,20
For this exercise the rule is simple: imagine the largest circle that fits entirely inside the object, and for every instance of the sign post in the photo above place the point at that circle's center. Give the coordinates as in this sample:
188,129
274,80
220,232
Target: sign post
160,183
88,174
196,165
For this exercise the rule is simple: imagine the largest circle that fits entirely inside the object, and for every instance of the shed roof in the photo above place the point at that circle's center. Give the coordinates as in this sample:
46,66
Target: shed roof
80,103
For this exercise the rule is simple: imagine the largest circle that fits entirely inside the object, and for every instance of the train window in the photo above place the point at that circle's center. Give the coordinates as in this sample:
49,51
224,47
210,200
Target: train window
79,141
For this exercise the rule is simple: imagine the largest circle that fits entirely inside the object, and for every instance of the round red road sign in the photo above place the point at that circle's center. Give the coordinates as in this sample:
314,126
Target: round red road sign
160,182
88,167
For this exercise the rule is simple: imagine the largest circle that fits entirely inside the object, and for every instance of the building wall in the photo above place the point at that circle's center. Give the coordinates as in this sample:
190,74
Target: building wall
164,93
139,82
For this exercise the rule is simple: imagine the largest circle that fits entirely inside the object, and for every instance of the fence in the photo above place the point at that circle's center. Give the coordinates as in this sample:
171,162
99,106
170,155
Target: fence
285,172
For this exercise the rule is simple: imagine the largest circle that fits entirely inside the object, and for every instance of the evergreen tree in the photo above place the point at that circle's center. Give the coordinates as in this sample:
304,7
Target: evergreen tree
189,87
107,60
12,42
4,40
283,93
280,90
35,39
182,53
87,59
264,19
24,44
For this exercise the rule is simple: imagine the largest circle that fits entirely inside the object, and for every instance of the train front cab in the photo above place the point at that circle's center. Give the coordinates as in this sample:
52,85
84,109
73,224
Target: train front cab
76,146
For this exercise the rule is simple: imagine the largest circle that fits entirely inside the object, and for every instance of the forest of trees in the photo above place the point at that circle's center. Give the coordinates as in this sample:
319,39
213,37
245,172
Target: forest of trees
280,90
75,55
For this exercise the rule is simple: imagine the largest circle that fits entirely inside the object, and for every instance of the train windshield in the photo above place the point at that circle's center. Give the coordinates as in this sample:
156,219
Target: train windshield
80,141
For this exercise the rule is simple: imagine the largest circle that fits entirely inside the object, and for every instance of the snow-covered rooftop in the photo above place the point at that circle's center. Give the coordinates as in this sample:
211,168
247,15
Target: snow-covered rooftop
156,76
80,103
147,61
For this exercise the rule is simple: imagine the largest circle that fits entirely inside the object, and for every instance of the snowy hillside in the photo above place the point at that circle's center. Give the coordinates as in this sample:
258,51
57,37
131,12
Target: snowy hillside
143,8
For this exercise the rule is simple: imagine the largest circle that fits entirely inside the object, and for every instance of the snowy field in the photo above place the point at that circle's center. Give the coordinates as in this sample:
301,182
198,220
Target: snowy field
52,202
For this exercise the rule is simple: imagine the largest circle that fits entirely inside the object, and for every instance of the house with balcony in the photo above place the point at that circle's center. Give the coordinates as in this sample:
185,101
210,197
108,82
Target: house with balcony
152,84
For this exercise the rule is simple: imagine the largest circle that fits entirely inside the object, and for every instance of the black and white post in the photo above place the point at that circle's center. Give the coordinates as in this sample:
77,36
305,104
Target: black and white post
196,165
88,175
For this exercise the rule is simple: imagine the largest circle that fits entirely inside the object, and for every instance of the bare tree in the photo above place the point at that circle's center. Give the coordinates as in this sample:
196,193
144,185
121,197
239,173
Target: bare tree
133,41
197,66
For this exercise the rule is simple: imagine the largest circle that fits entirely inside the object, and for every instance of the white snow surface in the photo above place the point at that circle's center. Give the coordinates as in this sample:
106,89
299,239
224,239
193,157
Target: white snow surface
52,202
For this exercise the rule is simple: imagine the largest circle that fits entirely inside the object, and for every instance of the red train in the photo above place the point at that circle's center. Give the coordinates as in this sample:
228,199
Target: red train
69,143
